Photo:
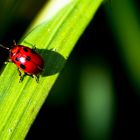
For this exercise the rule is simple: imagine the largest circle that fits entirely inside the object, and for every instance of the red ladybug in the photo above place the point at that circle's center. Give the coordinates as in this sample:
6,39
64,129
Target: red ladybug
26,59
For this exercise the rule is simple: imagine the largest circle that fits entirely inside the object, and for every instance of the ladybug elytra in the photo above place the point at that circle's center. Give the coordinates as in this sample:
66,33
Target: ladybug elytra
26,59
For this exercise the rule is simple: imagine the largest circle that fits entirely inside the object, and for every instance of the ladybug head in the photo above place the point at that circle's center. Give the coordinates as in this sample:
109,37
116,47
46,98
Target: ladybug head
14,50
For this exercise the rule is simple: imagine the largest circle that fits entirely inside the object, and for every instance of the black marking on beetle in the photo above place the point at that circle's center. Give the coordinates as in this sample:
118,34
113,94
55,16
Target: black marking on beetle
25,49
17,59
28,58
17,51
22,66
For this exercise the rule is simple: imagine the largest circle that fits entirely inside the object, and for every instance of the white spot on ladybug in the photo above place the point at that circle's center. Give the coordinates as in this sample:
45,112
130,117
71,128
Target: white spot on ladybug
22,59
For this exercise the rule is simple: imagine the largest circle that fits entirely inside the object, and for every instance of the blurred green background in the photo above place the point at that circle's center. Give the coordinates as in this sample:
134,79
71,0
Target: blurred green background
96,97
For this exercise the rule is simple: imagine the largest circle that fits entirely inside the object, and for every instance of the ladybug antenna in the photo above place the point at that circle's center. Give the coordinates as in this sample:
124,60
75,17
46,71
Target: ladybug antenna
4,47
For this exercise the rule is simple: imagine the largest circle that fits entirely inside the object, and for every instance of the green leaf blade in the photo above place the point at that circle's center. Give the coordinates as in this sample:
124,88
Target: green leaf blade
54,39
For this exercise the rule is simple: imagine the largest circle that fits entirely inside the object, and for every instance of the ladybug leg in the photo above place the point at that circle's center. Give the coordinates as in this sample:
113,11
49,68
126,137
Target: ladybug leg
21,76
9,60
34,47
41,69
28,74
36,78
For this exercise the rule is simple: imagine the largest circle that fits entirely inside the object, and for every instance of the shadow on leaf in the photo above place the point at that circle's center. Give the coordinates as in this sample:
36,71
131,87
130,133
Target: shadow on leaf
54,62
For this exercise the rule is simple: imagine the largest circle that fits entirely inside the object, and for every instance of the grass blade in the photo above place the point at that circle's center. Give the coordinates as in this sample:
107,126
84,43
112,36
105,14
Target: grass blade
54,38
